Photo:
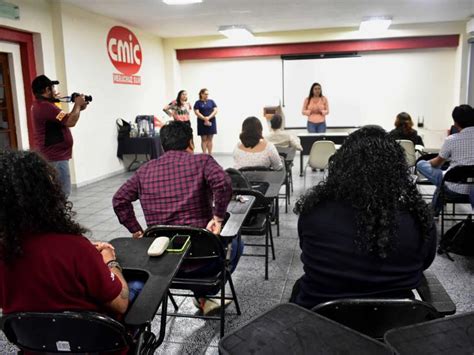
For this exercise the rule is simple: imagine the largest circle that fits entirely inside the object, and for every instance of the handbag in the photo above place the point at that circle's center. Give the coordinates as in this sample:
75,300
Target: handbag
123,128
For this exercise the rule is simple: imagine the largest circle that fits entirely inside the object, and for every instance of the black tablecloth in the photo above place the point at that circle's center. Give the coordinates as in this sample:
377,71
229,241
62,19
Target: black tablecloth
150,146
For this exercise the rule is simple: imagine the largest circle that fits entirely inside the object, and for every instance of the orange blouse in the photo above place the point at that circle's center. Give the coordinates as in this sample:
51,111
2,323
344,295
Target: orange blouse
316,109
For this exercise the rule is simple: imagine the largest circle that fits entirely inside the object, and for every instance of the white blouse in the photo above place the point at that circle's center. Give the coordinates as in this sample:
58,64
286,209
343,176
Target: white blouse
268,157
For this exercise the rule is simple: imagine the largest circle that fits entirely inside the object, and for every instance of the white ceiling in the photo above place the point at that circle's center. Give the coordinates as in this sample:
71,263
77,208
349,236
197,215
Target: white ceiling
270,15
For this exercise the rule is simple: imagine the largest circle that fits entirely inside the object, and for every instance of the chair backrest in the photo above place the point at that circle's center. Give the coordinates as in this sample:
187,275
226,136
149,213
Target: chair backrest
374,317
239,180
461,174
78,332
409,148
255,168
204,244
320,153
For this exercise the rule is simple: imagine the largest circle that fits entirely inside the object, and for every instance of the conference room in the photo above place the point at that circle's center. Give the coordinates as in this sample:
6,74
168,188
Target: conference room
247,177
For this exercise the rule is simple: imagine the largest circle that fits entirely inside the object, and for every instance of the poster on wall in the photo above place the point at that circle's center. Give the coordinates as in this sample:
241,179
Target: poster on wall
125,53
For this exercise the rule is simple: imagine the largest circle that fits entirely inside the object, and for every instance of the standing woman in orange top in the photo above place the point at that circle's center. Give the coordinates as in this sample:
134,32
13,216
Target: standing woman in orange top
316,107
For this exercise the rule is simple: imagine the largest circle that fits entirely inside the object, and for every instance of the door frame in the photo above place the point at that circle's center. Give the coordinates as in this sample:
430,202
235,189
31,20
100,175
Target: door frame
28,68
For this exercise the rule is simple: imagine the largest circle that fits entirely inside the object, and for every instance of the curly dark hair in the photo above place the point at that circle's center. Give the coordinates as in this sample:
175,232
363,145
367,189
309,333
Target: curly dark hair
31,202
369,172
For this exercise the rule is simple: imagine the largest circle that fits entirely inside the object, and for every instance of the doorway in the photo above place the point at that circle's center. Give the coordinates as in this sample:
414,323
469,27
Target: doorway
7,118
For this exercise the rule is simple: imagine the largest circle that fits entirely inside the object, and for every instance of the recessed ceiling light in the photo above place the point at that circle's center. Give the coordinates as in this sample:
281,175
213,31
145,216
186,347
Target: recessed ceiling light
375,24
235,32
181,2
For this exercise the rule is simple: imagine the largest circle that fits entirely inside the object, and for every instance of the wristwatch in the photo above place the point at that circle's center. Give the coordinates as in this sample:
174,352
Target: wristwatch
114,263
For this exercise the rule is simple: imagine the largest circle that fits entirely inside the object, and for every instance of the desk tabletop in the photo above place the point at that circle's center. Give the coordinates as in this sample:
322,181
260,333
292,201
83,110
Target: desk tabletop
274,178
290,329
288,153
237,211
452,335
132,254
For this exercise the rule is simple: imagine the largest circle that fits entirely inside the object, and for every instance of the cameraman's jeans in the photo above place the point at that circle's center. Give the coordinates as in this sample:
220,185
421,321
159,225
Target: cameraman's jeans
62,167
435,176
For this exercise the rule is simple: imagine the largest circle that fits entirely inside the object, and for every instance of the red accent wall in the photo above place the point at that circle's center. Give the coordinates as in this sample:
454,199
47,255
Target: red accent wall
28,67
346,46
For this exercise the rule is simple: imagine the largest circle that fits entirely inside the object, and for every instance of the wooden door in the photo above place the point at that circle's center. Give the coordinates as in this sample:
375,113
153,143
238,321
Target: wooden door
7,118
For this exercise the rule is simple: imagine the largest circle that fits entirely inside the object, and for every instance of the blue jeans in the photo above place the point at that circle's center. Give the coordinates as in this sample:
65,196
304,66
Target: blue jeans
62,167
134,288
316,127
435,176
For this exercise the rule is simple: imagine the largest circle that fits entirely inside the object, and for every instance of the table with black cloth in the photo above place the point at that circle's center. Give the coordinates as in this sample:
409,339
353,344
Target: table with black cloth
274,179
157,272
307,140
453,335
291,329
148,146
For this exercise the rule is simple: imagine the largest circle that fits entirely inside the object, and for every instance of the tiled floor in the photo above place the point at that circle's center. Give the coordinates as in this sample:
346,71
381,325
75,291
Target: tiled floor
193,336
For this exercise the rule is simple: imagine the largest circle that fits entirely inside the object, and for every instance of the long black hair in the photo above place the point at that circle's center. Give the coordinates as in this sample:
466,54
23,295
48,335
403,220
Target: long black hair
311,93
369,173
178,98
31,202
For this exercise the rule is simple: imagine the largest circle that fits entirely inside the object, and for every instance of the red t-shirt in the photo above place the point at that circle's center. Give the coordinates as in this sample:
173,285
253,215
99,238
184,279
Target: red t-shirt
53,138
57,272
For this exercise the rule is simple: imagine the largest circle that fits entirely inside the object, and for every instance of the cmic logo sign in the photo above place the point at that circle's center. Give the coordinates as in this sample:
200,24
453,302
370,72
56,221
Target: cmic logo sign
125,53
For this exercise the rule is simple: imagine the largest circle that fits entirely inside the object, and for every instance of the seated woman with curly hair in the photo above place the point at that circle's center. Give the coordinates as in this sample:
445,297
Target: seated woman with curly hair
46,265
365,231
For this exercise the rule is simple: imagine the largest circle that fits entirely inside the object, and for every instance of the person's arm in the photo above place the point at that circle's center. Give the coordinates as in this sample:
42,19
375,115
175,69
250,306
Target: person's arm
325,111
221,187
214,111
120,303
275,160
79,105
167,109
123,207
443,155
295,142
305,110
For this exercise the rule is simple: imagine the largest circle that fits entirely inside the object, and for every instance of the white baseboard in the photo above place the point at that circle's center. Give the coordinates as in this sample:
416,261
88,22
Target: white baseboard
103,177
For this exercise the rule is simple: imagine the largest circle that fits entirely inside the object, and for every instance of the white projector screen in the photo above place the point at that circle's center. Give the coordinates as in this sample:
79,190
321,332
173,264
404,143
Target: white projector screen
340,79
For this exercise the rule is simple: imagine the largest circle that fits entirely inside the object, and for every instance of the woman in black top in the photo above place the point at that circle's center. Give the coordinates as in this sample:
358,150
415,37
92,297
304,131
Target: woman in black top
404,129
365,231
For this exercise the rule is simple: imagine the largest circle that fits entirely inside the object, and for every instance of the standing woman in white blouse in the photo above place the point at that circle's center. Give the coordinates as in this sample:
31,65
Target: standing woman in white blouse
253,149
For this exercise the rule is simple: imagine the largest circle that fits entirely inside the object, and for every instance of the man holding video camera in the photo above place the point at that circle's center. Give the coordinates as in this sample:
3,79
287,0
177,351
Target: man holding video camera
53,137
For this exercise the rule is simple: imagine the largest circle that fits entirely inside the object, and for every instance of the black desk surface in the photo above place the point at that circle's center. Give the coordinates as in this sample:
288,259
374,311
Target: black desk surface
275,178
288,153
132,254
290,329
140,145
452,335
237,211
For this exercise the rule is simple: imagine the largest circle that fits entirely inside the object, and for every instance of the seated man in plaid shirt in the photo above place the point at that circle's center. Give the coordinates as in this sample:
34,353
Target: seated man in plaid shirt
179,188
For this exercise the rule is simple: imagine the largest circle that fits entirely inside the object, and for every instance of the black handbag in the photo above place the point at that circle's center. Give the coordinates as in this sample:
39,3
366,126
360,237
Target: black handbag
123,128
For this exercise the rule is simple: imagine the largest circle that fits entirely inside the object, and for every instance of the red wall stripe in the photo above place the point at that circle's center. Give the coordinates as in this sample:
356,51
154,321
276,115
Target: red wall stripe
346,46
28,67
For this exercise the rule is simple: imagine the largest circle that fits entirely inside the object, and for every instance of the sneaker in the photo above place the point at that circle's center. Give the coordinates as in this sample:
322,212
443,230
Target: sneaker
208,306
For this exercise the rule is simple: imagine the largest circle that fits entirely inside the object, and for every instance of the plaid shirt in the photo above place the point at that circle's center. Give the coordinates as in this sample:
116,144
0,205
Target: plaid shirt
459,149
176,189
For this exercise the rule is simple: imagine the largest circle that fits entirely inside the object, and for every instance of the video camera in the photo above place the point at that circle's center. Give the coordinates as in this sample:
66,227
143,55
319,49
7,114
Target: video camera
87,98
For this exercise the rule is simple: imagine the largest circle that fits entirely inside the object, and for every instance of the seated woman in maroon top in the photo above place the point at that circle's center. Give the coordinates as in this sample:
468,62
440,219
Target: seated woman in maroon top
365,231
46,265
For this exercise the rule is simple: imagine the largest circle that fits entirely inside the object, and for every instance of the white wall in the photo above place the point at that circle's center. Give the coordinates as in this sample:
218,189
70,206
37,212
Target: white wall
89,70
240,88
448,77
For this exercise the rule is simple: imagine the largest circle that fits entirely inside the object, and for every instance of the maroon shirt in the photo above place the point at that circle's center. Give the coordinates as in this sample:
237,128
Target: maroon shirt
52,137
178,188
57,272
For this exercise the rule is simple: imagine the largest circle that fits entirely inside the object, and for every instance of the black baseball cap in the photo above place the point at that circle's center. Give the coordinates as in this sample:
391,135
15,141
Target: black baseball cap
42,82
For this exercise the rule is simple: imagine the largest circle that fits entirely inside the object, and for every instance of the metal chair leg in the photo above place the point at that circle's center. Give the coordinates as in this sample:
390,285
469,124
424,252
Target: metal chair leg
173,301
266,255
224,274
234,294
269,231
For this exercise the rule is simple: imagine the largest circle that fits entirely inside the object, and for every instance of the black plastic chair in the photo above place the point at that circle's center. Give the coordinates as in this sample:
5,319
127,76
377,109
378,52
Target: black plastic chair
258,223
205,248
374,317
459,175
77,332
